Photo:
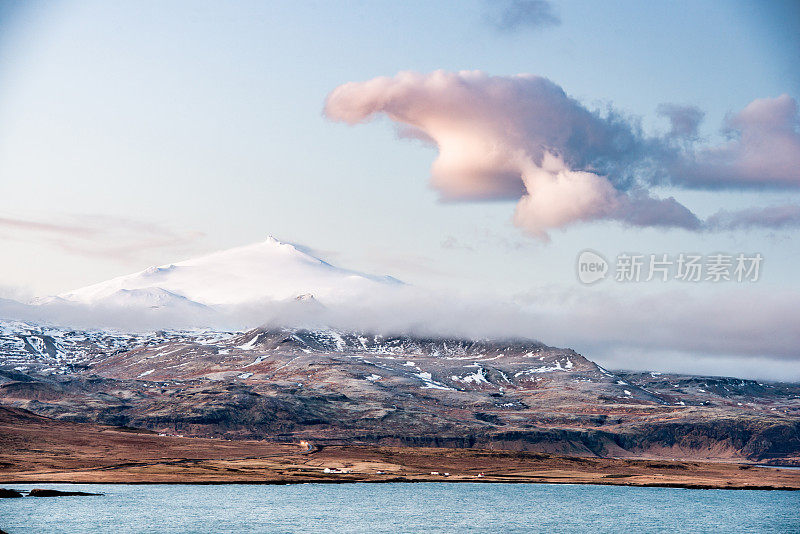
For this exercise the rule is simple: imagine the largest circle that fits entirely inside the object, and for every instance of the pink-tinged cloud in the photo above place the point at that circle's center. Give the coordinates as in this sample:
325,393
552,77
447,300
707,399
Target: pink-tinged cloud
516,137
98,235
764,150
557,196
523,138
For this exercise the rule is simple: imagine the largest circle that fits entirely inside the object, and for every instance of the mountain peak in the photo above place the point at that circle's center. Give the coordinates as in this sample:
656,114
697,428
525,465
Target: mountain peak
270,270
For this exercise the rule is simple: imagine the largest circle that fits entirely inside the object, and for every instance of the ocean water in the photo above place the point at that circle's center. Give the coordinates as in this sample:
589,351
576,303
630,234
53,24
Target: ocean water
395,508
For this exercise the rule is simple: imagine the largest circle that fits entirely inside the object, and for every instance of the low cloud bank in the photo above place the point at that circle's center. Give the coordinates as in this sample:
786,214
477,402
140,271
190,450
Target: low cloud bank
717,334
524,138
642,331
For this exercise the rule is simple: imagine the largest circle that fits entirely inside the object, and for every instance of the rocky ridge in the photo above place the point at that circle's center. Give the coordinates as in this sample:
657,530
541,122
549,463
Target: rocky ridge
346,387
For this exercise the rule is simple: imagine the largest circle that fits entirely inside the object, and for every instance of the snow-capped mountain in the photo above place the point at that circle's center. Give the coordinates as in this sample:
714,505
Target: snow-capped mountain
267,271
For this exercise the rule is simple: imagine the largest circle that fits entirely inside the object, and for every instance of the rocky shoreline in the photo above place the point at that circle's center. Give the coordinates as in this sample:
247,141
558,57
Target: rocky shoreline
39,492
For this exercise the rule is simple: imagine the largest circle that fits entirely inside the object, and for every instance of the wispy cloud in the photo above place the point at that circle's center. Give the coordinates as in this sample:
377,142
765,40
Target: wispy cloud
478,238
523,138
23,225
451,242
103,236
784,216
515,15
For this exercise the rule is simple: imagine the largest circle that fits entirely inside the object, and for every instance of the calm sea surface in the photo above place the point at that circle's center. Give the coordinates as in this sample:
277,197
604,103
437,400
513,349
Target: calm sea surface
422,507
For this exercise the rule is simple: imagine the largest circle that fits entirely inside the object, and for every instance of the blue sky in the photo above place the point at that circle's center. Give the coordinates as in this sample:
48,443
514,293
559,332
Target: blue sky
141,133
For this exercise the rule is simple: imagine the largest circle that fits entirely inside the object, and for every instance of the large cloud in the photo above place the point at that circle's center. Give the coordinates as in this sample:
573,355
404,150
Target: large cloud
522,137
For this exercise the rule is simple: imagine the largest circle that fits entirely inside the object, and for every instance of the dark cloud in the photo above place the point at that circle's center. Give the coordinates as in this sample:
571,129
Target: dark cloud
684,120
515,15
638,208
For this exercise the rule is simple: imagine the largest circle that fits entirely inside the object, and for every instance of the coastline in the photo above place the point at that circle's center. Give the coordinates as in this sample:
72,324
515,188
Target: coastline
374,465
402,480
35,449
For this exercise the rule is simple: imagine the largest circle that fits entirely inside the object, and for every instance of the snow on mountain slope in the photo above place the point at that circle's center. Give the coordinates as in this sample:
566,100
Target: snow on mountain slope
265,271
